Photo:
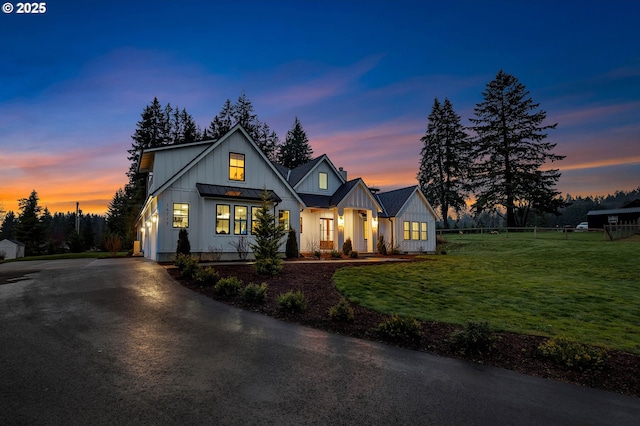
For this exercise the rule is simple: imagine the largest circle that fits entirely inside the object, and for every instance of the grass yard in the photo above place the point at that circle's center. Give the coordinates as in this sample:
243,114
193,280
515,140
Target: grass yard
580,286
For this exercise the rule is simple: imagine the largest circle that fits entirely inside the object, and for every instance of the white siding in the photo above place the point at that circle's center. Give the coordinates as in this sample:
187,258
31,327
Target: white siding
415,210
170,161
309,185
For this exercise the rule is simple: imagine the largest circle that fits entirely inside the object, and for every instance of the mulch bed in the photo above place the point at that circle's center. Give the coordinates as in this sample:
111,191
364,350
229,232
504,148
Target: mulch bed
513,351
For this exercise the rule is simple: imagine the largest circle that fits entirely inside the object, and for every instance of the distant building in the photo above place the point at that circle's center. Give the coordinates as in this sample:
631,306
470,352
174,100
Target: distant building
11,249
629,213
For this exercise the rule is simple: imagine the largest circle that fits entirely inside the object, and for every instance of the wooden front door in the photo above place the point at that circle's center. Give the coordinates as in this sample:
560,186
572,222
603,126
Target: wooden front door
326,234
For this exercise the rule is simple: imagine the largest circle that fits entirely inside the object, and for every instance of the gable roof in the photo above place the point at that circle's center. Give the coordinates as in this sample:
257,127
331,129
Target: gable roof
393,201
298,174
16,242
211,147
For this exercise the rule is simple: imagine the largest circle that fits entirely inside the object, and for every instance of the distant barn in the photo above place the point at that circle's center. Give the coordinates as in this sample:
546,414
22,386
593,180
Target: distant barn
629,213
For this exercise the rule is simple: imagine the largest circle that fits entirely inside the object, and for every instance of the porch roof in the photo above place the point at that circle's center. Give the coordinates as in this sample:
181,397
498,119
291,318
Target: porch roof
224,191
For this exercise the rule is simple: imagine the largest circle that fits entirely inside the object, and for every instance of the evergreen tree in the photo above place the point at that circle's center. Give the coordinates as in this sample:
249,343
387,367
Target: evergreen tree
296,149
221,123
30,231
268,239
184,246
268,141
509,150
444,165
7,230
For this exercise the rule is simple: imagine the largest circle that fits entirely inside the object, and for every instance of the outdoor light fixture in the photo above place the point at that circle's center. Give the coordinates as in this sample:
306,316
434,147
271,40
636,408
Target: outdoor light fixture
374,222
341,221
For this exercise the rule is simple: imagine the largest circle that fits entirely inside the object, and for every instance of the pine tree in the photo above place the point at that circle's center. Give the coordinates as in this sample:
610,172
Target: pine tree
509,151
268,239
30,231
7,230
444,161
296,149
221,123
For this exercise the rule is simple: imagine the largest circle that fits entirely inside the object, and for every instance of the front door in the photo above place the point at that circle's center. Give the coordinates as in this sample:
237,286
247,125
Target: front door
326,234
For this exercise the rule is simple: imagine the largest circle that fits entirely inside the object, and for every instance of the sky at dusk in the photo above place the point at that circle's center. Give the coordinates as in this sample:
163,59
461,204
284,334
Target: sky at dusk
360,75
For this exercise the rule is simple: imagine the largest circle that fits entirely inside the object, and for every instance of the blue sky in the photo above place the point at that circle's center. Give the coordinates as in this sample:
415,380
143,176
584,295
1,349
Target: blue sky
360,75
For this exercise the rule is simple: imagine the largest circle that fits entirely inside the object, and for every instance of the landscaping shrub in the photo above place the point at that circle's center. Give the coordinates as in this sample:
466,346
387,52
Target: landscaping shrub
292,303
475,338
112,242
187,265
228,286
335,254
382,246
207,277
292,245
568,352
400,328
254,293
268,266
353,255
342,312
184,246
347,247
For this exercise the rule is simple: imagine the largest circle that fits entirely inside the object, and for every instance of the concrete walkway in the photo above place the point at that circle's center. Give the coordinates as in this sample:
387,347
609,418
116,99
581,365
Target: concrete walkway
117,341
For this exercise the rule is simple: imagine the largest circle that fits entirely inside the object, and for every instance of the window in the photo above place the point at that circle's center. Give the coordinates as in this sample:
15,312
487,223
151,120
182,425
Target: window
240,220
236,166
365,228
180,215
424,235
415,230
322,180
254,219
283,219
407,231
223,215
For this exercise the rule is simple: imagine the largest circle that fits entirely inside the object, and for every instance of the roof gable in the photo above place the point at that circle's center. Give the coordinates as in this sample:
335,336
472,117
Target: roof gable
300,174
394,201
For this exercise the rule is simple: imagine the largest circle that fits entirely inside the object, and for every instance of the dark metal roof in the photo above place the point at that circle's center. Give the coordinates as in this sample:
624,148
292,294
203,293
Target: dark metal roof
343,191
614,211
223,191
295,175
393,201
317,201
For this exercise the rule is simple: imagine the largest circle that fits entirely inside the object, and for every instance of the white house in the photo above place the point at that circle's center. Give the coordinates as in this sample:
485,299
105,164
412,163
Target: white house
213,188
11,249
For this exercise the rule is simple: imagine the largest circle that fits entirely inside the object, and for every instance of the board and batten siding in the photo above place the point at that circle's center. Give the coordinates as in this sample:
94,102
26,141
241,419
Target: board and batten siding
309,185
415,210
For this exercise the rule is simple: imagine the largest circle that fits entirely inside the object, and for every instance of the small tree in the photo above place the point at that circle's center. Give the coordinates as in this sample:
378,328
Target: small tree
292,245
184,247
268,238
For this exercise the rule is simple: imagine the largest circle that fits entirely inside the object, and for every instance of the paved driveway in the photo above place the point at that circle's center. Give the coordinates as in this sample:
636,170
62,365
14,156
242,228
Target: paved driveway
119,342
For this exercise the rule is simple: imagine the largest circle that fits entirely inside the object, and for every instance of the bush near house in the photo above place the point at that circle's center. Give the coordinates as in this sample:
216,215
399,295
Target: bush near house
292,302
347,247
254,293
184,246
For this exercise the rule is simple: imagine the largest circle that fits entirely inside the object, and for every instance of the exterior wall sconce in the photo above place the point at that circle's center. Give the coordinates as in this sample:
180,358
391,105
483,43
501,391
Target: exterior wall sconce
374,223
341,221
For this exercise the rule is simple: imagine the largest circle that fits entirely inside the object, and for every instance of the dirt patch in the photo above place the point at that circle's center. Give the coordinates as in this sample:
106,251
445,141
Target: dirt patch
513,351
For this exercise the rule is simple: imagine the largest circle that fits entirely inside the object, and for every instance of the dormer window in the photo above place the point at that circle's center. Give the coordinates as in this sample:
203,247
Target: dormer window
322,180
236,166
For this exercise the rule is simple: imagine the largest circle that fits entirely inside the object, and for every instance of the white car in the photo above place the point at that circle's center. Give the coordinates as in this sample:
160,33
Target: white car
583,226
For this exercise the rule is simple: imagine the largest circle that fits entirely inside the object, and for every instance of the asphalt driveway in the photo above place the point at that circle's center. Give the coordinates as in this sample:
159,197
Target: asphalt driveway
119,342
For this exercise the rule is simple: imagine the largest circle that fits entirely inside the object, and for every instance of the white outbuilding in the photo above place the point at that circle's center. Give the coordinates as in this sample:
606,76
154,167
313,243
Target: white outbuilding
11,249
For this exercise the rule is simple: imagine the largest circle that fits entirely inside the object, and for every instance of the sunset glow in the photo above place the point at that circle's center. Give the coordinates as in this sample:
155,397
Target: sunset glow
360,76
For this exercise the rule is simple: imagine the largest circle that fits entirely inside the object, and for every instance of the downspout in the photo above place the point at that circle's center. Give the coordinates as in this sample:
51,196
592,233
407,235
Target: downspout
391,220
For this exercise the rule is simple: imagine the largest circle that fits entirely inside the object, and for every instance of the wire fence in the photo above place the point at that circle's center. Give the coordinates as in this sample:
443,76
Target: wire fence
619,231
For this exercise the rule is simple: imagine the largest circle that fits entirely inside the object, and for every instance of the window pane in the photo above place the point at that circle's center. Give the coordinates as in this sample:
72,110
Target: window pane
415,230
423,231
322,180
240,220
283,219
407,233
180,215
254,219
223,213
236,166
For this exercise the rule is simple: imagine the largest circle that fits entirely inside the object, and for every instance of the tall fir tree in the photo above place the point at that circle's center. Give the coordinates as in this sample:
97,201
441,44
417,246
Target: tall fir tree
268,239
445,161
30,231
296,149
509,151
7,230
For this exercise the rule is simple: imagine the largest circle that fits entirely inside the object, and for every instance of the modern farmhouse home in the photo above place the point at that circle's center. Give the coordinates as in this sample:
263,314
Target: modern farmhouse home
213,189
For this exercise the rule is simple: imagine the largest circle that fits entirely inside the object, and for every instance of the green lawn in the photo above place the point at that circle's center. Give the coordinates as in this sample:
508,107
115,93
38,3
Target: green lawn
581,286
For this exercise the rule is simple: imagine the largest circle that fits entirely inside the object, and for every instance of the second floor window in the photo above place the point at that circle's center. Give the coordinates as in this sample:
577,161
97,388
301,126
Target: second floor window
322,180
236,166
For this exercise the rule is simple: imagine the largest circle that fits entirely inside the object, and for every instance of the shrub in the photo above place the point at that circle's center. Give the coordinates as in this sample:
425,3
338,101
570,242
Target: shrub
347,247
382,246
292,245
568,352
242,247
292,303
254,293
335,254
353,255
187,265
228,286
184,247
317,254
341,312
475,338
400,328
112,243
268,266
207,277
